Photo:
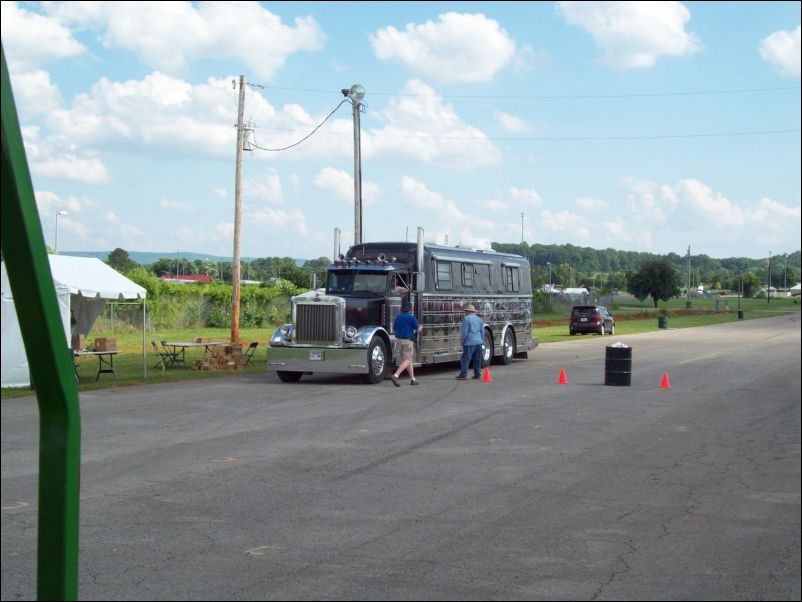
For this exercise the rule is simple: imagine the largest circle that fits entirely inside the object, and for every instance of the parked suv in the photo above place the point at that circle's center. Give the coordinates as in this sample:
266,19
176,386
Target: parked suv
591,318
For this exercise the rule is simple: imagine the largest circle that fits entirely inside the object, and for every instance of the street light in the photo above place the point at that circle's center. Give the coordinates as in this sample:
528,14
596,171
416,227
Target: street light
548,263
356,93
522,227
57,214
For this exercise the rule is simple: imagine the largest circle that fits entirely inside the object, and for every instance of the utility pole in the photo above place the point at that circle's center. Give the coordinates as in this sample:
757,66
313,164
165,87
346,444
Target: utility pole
235,277
522,227
768,286
356,93
688,281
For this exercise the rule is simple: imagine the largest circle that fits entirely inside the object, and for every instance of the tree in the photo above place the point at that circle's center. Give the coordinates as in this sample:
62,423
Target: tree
119,260
657,279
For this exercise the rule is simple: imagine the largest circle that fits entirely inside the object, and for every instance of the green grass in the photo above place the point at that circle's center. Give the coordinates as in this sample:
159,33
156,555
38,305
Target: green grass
632,317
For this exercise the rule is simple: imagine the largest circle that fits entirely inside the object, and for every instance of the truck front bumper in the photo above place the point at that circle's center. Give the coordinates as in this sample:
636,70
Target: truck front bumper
306,359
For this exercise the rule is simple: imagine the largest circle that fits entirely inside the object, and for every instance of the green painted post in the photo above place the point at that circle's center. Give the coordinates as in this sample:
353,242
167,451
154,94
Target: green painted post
50,362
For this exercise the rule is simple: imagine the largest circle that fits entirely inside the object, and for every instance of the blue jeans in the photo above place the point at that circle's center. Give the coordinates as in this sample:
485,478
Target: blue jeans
470,353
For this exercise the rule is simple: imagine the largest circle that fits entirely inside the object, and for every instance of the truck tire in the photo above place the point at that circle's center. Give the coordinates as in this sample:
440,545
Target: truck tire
487,349
377,361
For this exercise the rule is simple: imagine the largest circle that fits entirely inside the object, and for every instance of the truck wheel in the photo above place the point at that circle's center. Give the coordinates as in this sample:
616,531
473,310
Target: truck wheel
507,348
377,361
289,377
487,349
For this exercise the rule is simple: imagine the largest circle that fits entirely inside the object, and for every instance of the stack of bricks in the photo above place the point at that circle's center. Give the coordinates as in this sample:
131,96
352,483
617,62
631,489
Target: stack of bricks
222,357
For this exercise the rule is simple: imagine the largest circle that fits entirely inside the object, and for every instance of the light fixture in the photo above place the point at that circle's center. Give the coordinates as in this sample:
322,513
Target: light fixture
357,92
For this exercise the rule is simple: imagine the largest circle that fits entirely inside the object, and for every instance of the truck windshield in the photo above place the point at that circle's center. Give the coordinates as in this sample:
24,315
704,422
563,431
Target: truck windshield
356,282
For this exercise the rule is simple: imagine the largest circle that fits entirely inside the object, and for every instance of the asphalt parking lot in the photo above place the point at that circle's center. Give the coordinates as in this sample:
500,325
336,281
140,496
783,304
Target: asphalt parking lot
247,488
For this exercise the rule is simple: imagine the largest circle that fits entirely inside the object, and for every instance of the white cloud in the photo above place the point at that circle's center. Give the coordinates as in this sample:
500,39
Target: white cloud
35,95
174,205
782,49
511,123
566,223
341,184
526,196
69,167
31,39
168,36
443,212
265,187
422,127
708,205
590,204
633,34
157,111
292,220
456,48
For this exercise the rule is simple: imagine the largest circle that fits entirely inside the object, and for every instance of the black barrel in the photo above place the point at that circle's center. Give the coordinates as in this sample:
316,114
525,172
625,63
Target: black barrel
618,366
740,314
662,322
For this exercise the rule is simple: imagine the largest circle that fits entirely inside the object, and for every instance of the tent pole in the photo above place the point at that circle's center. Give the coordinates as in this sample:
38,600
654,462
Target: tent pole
144,347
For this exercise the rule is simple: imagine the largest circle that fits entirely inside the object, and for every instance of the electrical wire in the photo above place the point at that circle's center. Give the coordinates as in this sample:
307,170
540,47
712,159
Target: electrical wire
558,96
343,101
574,138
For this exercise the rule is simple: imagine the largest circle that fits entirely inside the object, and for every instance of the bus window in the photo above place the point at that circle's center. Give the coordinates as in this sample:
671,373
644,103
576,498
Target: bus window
512,280
443,275
467,274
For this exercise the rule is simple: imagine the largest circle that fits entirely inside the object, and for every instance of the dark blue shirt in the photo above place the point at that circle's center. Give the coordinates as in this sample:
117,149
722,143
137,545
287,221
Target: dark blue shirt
405,325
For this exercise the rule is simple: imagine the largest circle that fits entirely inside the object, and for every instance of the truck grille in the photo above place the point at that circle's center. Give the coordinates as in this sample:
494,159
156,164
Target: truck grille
317,323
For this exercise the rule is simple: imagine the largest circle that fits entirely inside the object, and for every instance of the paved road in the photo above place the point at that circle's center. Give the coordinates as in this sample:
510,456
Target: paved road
520,489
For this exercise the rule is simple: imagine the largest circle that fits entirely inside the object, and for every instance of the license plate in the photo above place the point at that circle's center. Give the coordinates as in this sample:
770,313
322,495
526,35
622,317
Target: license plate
583,320
316,355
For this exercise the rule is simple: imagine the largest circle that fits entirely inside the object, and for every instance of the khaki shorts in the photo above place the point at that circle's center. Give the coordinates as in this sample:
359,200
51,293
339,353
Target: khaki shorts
405,348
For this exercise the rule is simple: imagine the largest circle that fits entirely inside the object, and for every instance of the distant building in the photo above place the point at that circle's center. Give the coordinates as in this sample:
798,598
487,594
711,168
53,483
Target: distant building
186,278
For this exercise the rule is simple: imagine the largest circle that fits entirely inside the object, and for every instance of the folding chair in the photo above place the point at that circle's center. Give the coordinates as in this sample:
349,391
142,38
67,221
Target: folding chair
248,355
174,356
164,358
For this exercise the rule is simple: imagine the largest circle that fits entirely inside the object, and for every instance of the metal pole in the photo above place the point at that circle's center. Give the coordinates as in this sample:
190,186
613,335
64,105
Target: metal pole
522,227
235,276
688,281
357,175
768,287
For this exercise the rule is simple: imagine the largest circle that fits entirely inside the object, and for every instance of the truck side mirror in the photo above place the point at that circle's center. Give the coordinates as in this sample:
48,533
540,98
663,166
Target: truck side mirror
420,281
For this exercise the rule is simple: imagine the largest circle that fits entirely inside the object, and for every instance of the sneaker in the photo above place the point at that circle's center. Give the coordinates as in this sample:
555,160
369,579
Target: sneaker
413,382
462,377
394,378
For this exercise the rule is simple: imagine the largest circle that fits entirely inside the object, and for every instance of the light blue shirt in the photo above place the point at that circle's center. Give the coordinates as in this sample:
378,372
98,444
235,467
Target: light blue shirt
471,331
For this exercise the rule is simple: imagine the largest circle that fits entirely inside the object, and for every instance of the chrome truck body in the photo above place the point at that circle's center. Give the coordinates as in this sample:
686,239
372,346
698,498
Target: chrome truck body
349,328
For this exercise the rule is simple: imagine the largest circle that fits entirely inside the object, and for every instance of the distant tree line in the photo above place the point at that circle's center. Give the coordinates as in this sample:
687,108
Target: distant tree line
565,265
264,270
611,269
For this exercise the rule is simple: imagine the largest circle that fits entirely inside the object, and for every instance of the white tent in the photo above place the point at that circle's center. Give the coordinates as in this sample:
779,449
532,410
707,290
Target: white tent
83,284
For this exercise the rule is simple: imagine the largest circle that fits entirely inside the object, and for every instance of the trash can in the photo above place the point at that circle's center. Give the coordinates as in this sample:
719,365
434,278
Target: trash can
618,366
662,321
740,314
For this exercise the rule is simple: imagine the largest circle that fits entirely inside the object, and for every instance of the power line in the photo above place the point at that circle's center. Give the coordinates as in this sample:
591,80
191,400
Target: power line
557,96
563,138
305,137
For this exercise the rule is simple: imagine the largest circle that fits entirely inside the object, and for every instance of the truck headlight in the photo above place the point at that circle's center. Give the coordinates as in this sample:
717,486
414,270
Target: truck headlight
286,332
350,331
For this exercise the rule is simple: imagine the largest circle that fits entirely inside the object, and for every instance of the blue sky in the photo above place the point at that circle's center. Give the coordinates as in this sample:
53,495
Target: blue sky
638,126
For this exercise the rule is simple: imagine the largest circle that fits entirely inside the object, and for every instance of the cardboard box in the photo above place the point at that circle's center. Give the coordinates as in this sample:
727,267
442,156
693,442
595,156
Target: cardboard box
104,344
78,342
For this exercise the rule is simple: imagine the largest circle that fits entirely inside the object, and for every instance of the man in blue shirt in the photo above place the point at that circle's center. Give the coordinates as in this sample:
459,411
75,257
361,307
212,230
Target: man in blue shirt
406,329
471,335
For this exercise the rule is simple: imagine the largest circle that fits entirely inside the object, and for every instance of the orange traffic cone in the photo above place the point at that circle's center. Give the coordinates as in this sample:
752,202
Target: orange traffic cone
563,380
665,384
486,376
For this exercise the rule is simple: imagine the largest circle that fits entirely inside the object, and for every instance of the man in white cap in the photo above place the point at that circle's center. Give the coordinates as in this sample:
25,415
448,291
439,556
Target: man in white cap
471,335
